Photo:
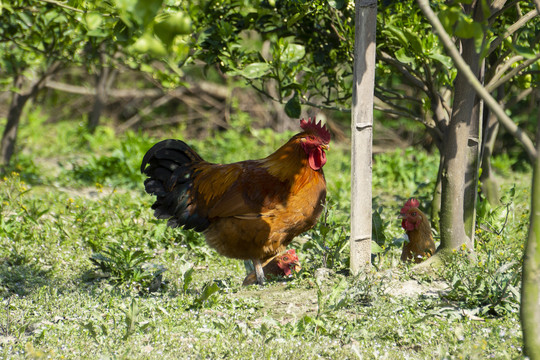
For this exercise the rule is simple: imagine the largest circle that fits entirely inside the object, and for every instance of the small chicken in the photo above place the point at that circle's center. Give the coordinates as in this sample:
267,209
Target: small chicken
418,229
249,210
280,265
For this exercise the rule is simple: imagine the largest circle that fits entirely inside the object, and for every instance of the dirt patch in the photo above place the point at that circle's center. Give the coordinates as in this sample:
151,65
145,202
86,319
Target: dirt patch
281,303
412,288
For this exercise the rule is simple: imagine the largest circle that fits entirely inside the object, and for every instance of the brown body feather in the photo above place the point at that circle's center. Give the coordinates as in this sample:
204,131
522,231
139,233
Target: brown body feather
246,210
418,229
260,213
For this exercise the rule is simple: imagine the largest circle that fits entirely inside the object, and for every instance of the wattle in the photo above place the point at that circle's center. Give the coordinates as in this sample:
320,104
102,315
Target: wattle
408,226
316,158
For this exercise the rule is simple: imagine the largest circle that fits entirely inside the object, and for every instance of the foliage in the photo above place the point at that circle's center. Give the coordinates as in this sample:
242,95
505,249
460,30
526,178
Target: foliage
489,287
302,45
489,282
128,266
328,244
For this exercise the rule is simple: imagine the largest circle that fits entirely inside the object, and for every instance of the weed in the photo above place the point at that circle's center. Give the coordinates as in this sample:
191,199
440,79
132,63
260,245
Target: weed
129,266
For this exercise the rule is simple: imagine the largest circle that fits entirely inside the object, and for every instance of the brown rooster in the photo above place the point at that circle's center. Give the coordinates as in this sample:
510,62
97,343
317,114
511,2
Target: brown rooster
280,265
416,224
248,210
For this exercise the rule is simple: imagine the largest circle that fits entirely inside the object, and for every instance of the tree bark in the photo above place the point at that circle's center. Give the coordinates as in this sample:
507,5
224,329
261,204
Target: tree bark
104,81
437,193
362,129
530,288
18,101
490,187
474,145
16,107
456,155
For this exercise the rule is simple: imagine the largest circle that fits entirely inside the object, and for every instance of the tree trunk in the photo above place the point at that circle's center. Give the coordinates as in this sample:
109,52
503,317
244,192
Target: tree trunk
490,187
530,288
437,193
9,138
103,83
472,170
456,152
18,101
362,128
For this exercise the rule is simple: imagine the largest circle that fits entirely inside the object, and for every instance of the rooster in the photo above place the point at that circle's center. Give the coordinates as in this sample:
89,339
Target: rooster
248,210
280,265
418,229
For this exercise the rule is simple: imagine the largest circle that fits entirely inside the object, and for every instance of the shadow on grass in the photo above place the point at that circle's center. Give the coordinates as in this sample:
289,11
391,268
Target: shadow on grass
20,277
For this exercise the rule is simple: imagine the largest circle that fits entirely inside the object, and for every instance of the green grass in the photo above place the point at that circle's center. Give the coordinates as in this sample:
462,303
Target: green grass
69,202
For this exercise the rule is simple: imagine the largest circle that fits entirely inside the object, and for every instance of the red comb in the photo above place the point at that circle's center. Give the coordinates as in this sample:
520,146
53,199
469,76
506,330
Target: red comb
411,203
292,252
318,128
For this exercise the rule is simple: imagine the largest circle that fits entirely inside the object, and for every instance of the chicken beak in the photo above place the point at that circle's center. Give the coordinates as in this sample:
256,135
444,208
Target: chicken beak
295,266
325,147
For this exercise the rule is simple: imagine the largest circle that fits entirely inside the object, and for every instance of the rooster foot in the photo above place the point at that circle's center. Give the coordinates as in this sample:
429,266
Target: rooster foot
258,271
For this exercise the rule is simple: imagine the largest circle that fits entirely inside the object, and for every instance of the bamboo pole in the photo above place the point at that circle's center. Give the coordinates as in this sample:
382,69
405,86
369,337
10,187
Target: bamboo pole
362,134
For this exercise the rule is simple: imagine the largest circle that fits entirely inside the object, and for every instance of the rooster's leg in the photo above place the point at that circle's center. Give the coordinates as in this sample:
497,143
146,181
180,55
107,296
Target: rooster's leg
259,271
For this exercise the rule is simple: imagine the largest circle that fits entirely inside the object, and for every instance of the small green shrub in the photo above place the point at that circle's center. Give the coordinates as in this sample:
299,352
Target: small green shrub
489,286
129,266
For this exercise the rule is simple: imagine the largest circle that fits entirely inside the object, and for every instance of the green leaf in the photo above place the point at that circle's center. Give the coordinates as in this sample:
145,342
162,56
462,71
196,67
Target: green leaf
92,20
525,51
188,277
207,292
145,10
293,108
375,248
403,57
466,28
377,228
448,18
172,25
414,41
336,4
254,70
149,44
398,33
443,59
292,53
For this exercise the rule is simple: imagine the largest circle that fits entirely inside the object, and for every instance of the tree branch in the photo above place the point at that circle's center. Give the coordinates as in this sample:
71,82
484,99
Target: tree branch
62,5
462,66
405,70
147,110
495,84
512,29
115,93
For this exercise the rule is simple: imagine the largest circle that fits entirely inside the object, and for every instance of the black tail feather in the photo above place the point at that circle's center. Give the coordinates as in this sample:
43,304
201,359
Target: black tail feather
169,167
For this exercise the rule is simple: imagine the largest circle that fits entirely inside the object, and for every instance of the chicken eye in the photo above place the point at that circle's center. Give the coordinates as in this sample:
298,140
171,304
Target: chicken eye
414,213
285,258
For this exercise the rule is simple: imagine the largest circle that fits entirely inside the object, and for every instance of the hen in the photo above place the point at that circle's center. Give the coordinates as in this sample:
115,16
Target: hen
280,265
418,229
248,210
